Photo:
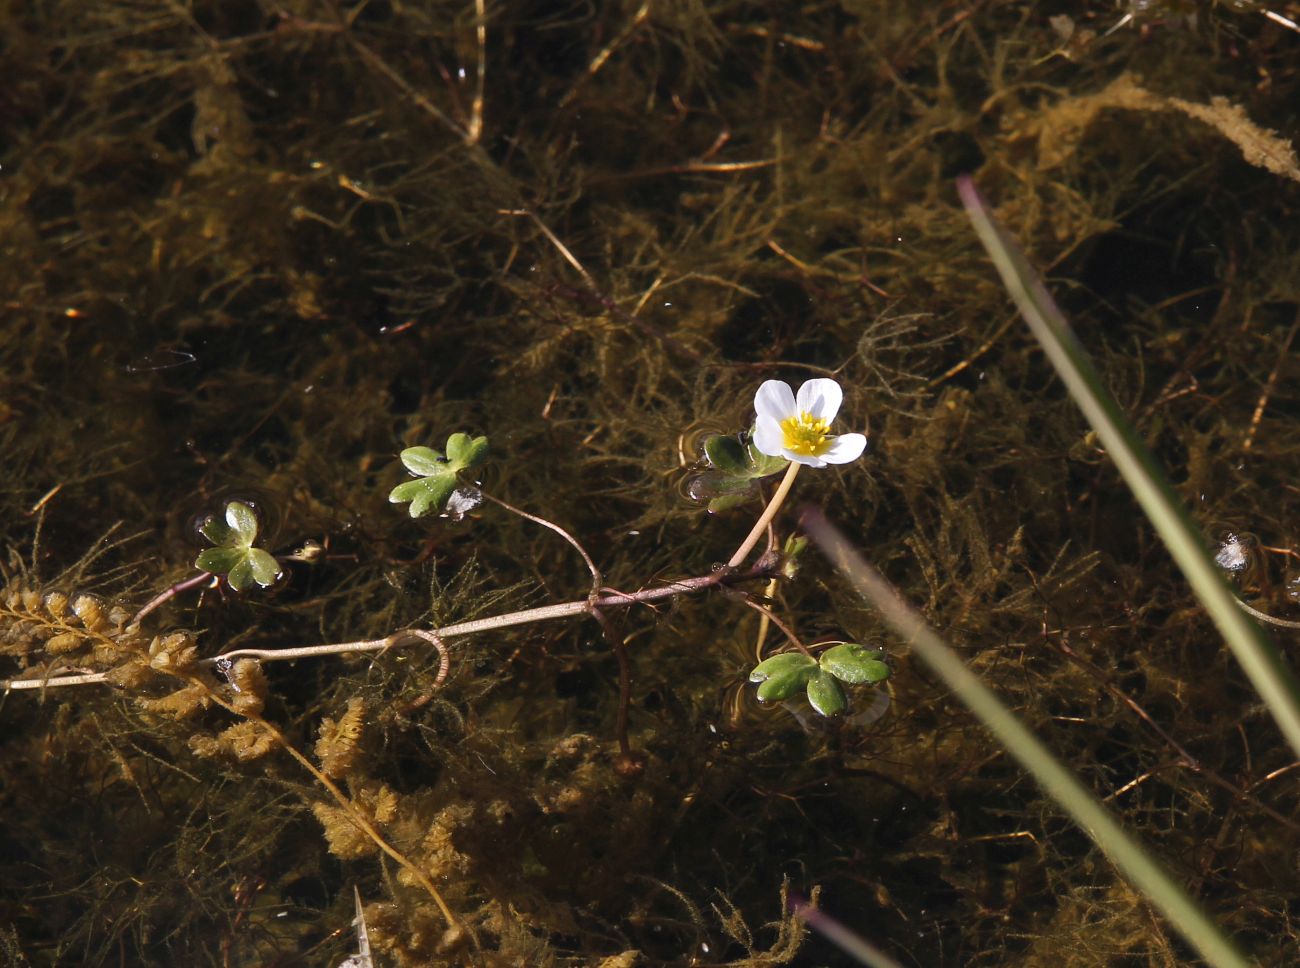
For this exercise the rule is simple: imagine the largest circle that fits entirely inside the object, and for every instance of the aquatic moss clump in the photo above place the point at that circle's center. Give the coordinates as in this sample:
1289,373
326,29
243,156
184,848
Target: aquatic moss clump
254,252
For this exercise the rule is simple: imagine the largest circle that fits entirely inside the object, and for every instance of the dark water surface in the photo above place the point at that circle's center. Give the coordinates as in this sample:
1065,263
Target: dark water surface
253,250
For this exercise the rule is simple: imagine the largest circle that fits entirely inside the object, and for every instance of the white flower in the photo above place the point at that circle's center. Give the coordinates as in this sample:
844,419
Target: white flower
798,428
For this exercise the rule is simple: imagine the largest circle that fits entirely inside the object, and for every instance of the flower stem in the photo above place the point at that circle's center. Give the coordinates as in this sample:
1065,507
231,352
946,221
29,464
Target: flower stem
766,517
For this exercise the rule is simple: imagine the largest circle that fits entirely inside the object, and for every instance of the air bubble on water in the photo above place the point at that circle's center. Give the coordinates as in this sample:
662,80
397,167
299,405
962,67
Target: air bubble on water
1232,554
462,501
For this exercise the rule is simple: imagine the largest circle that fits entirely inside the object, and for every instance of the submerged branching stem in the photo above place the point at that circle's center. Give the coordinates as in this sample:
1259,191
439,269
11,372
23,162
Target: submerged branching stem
545,613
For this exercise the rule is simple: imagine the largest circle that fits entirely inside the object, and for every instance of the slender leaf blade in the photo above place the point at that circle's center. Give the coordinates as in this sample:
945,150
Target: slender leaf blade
1268,672
1055,778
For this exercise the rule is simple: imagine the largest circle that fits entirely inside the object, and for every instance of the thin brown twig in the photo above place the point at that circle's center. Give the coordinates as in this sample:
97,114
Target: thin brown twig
599,61
379,65
1187,759
596,580
629,763
434,639
987,345
1269,384
768,614
475,129
1281,623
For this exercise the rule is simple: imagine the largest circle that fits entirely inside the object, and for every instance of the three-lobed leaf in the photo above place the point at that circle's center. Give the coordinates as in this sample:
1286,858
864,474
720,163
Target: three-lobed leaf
425,493
436,473
234,555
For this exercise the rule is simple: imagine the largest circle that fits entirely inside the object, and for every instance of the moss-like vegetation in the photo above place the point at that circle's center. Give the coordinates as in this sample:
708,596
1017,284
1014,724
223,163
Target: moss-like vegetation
252,250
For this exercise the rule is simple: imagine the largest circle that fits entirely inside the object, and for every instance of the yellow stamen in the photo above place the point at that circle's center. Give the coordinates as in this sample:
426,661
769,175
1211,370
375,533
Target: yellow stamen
806,435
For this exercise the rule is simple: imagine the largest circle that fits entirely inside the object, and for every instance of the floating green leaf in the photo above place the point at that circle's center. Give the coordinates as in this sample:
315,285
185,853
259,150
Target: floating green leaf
464,451
726,454
826,694
238,528
436,474
759,464
424,461
257,566
424,493
234,555
734,471
855,664
721,492
783,675
221,560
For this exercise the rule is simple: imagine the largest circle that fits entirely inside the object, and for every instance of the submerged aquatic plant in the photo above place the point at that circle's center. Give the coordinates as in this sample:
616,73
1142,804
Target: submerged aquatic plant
357,822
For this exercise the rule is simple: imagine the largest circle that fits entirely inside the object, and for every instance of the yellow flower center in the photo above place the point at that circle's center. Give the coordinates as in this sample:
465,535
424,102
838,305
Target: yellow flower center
806,435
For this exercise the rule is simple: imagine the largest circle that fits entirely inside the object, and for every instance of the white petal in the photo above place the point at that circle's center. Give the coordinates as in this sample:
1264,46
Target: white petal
768,437
804,459
774,399
821,398
846,447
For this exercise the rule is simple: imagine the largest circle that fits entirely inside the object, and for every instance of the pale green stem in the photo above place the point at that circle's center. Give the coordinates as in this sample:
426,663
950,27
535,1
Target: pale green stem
1160,887
768,514
1270,672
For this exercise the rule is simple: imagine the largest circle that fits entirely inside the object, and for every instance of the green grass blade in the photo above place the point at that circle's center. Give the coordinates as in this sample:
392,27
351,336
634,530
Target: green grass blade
1059,783
1269,674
